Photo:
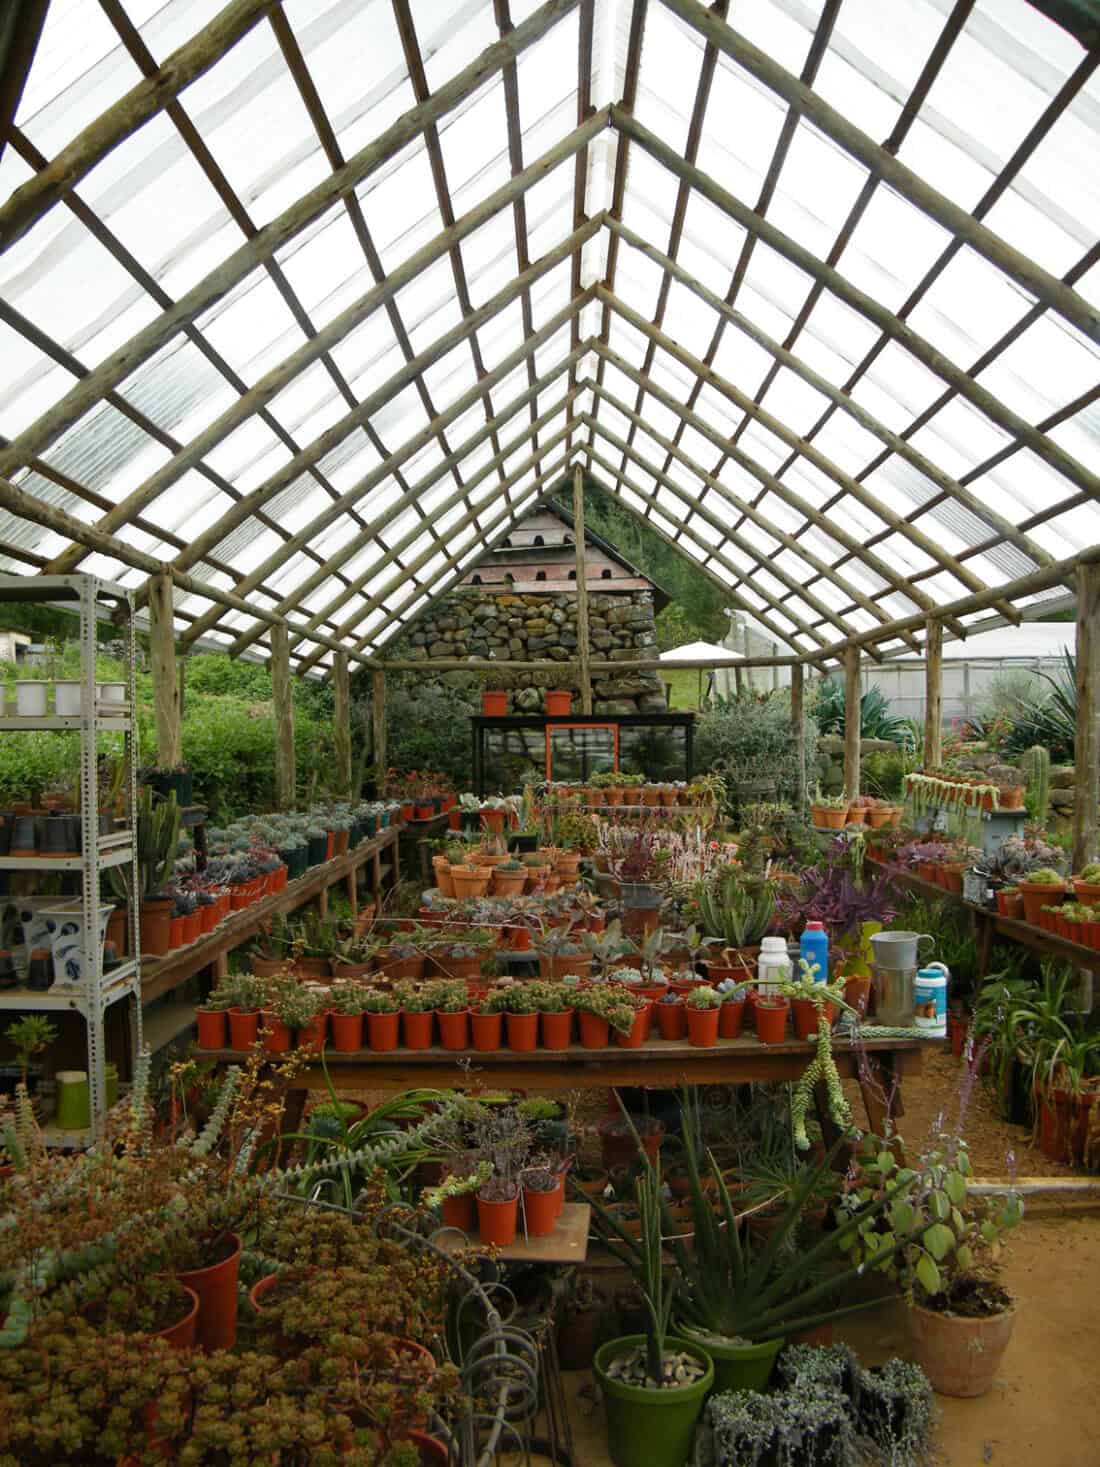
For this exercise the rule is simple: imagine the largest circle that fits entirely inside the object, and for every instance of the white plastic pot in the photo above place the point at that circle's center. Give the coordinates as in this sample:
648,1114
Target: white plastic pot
30,699
67,699
112,692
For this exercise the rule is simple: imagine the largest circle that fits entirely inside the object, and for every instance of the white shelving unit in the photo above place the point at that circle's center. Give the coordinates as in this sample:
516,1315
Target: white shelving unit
92,997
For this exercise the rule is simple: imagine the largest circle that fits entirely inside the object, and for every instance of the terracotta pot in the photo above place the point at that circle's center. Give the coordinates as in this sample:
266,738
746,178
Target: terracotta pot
496,1221
671,1019
702,1026
960,1356
523,1031
182,1335
1038,895
829,819
347,1032
1088,893
382,1031
771,1020
594,1032
519,939
618,1148
469,883
418,1030
493,820
508,883
558,703
592,1186
804,1014
276,1034
1055,1123
486,1031
397,968
216,1286
454,1029
156,927
731,1019
857,992
1079,1126
540,1211
557,1029
313,1034
460,1212
638,1031
244,1028
211,1028
313,968
958,1027
118,928
494,705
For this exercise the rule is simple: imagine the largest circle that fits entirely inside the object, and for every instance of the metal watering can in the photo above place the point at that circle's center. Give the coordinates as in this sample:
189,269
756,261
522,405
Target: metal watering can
893,970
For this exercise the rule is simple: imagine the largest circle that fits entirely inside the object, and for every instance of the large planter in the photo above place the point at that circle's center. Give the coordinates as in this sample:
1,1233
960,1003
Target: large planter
960,1356
740,1367
650,1428
65,929
216,1287
469,883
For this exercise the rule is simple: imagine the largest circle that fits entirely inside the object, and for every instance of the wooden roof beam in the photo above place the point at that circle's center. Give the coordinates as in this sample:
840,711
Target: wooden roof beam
585,46
867,306
1005,529
47,428
20,31
1039,283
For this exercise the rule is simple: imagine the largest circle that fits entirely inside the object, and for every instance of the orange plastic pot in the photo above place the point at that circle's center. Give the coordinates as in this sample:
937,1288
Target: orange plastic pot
340,842
211,1028
244,1027
192,926
175,933
216,1287
1009,903
486,1031
496,1221
804,1014
276,1034
312,1035
595,1032
523,1032
347,1032
454,1030
638,1030
702,1026
211,916
418,1030
671,1020
557,1029
540,1209
494,704
731,1018
382,1031
156,927
182,1335
460,1212
958,1028
519,939
558,703
771,1020
857,992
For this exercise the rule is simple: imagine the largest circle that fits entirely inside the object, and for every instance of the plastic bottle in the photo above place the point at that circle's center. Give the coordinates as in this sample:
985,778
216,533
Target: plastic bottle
773,966
814,947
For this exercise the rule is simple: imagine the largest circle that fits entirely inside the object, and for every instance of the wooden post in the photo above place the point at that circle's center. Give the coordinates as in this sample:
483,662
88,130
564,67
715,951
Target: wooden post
582,592
798,684
933,693
162,658
341,724
1087,755
851,720
286,770
378,723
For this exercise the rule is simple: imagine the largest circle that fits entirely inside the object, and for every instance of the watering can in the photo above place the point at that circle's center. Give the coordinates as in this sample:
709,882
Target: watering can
894,971
900,949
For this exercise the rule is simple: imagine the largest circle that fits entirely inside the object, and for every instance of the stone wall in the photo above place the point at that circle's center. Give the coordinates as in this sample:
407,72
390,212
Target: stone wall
830,750
476,623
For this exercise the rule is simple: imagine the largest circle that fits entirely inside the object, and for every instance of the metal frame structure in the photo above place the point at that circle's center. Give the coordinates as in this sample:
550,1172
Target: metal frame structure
98,991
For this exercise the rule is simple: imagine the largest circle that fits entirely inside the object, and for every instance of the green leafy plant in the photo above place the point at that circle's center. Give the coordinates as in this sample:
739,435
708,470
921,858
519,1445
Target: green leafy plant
31,1035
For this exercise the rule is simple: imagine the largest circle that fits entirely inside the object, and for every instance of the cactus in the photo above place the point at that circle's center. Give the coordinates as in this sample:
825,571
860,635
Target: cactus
1035,763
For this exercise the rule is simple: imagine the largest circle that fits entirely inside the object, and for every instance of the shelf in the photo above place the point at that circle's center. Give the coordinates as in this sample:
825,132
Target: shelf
107,858
165,1021
58,588
54,1138
116,983
119,722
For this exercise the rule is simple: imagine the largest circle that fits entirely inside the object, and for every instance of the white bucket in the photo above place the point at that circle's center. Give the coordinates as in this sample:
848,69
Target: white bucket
112,692
66,697
30,699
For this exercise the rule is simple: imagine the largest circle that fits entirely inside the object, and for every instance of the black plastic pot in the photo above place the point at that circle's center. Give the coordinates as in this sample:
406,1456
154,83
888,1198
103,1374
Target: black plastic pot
7,822
370,824
523,842
40,971
9,978
640,895
318,849
60,835
24,835
176,782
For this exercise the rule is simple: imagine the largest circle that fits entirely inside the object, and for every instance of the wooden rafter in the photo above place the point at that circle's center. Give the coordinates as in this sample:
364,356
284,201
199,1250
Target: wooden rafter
21,26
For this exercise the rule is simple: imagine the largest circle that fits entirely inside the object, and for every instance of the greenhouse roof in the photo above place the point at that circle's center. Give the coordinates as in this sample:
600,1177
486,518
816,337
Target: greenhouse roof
313,301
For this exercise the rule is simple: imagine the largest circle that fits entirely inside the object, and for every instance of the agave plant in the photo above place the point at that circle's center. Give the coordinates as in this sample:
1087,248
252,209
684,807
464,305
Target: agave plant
736,911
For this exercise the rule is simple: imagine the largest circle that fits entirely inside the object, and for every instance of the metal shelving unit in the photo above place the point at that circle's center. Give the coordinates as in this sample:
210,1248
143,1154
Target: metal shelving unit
97,991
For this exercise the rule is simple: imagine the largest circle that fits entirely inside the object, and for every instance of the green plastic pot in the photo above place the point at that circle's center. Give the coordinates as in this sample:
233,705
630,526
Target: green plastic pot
647,1428
741,1367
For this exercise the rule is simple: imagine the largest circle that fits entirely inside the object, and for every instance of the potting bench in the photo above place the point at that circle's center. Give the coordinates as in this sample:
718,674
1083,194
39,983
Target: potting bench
160,976
659,1063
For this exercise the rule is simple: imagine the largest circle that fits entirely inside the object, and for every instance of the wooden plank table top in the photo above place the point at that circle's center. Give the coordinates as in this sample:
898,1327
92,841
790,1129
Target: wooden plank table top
568,1243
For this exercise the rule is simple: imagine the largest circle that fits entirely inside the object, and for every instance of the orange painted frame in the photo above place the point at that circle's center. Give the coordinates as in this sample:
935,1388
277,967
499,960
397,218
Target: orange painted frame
614,727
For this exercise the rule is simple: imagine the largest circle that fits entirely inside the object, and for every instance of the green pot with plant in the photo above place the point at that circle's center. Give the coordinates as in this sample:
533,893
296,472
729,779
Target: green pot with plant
653,1385
703,1008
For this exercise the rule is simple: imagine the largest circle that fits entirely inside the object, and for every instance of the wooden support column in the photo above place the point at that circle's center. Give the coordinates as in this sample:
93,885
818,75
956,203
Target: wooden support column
851,720
162,660
933,693
798,685
341,724
1087,754
286,770
378,723
583,651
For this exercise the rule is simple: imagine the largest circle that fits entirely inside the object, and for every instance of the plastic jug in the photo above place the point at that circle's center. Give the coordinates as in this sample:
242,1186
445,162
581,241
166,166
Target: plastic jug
930,998
773,966
814,947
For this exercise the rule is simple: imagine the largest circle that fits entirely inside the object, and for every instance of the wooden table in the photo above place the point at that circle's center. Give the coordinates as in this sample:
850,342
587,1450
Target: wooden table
568,1243
659,1063
160,975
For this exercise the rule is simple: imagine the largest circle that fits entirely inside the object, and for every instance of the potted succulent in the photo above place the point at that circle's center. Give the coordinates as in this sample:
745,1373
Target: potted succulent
348,1001
450,1002
555,1005
601,1010
519,1003
486,1025
671,1015
509,878
1043,887
702,1005
829,812
383,1012
541,1192
417,1015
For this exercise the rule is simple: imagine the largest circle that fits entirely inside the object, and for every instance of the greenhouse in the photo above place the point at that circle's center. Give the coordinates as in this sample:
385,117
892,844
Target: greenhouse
550,753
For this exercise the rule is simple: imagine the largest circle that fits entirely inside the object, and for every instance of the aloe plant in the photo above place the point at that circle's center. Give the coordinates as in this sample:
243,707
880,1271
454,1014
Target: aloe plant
157,837
736,911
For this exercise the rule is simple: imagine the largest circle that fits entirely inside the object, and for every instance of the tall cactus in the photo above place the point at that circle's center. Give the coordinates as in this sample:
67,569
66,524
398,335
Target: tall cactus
1035,763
